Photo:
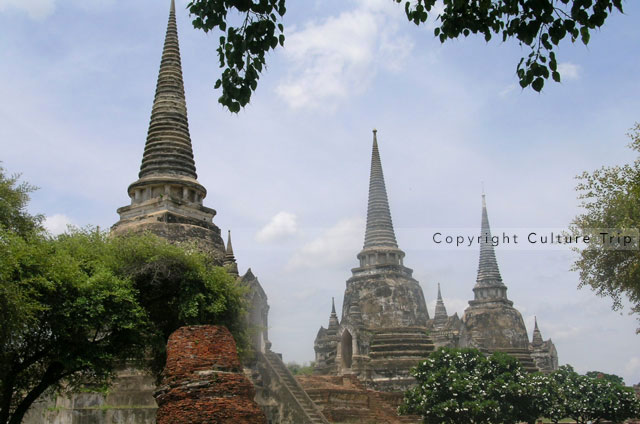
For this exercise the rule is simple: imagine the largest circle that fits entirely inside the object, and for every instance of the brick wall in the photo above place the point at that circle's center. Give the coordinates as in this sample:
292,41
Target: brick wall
203,382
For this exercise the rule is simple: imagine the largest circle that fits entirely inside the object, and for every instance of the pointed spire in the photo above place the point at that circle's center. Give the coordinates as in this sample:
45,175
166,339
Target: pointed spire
379,230
440,316
488,271
489,286
537,335
229,261
168,149
333,319
229,251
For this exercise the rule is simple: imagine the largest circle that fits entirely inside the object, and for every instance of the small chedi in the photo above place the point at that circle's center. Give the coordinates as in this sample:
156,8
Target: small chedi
444,329
543,352
203,381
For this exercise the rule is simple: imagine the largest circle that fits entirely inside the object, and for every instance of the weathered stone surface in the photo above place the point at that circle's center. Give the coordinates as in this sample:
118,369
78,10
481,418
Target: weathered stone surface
258,312
176,228
383,330
203,380
387,297
128,401
344,399
493,326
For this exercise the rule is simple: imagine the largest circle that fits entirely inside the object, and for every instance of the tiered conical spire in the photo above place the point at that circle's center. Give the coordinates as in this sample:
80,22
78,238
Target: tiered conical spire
488,271
379,232
168,149
489,284
537,335
440,316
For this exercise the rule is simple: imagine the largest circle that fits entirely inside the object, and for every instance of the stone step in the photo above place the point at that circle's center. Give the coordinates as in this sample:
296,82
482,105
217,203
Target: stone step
393,338
424,346
308,407
401,334
418,354
401,330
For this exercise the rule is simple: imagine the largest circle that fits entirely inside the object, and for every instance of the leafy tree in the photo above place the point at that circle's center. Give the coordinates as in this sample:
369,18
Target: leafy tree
68,318
538,25
14,198
609,377
74,307
297,369
177,286
462,385
611,199
585,399
542,398
242,48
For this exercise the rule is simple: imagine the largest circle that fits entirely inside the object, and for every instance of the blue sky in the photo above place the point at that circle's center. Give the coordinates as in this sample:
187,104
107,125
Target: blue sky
289,175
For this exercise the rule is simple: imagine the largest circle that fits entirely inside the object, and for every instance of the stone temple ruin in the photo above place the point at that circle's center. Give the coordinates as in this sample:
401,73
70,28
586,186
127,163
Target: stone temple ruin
385,327
383,330
362,359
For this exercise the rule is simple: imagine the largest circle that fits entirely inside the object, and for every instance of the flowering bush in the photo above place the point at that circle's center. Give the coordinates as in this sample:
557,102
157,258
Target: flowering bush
594,400
462,385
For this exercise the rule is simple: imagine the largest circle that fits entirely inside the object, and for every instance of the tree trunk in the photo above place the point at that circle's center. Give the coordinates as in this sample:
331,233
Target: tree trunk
52,375
6,397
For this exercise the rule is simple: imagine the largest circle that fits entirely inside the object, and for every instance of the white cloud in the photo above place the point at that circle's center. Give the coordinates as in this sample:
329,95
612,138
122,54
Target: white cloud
334,247
633,366
57,224
508,90
282,225
336,58
569,71
42,9
36,9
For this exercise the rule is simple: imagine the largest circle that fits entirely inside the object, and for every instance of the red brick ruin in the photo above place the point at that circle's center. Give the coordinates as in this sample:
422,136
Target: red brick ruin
202,381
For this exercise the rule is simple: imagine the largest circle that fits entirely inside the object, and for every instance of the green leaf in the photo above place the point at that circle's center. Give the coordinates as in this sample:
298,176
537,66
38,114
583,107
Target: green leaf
584,33
537,84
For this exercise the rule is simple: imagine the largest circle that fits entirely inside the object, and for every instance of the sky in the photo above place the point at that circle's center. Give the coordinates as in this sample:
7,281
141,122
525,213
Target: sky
289,174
